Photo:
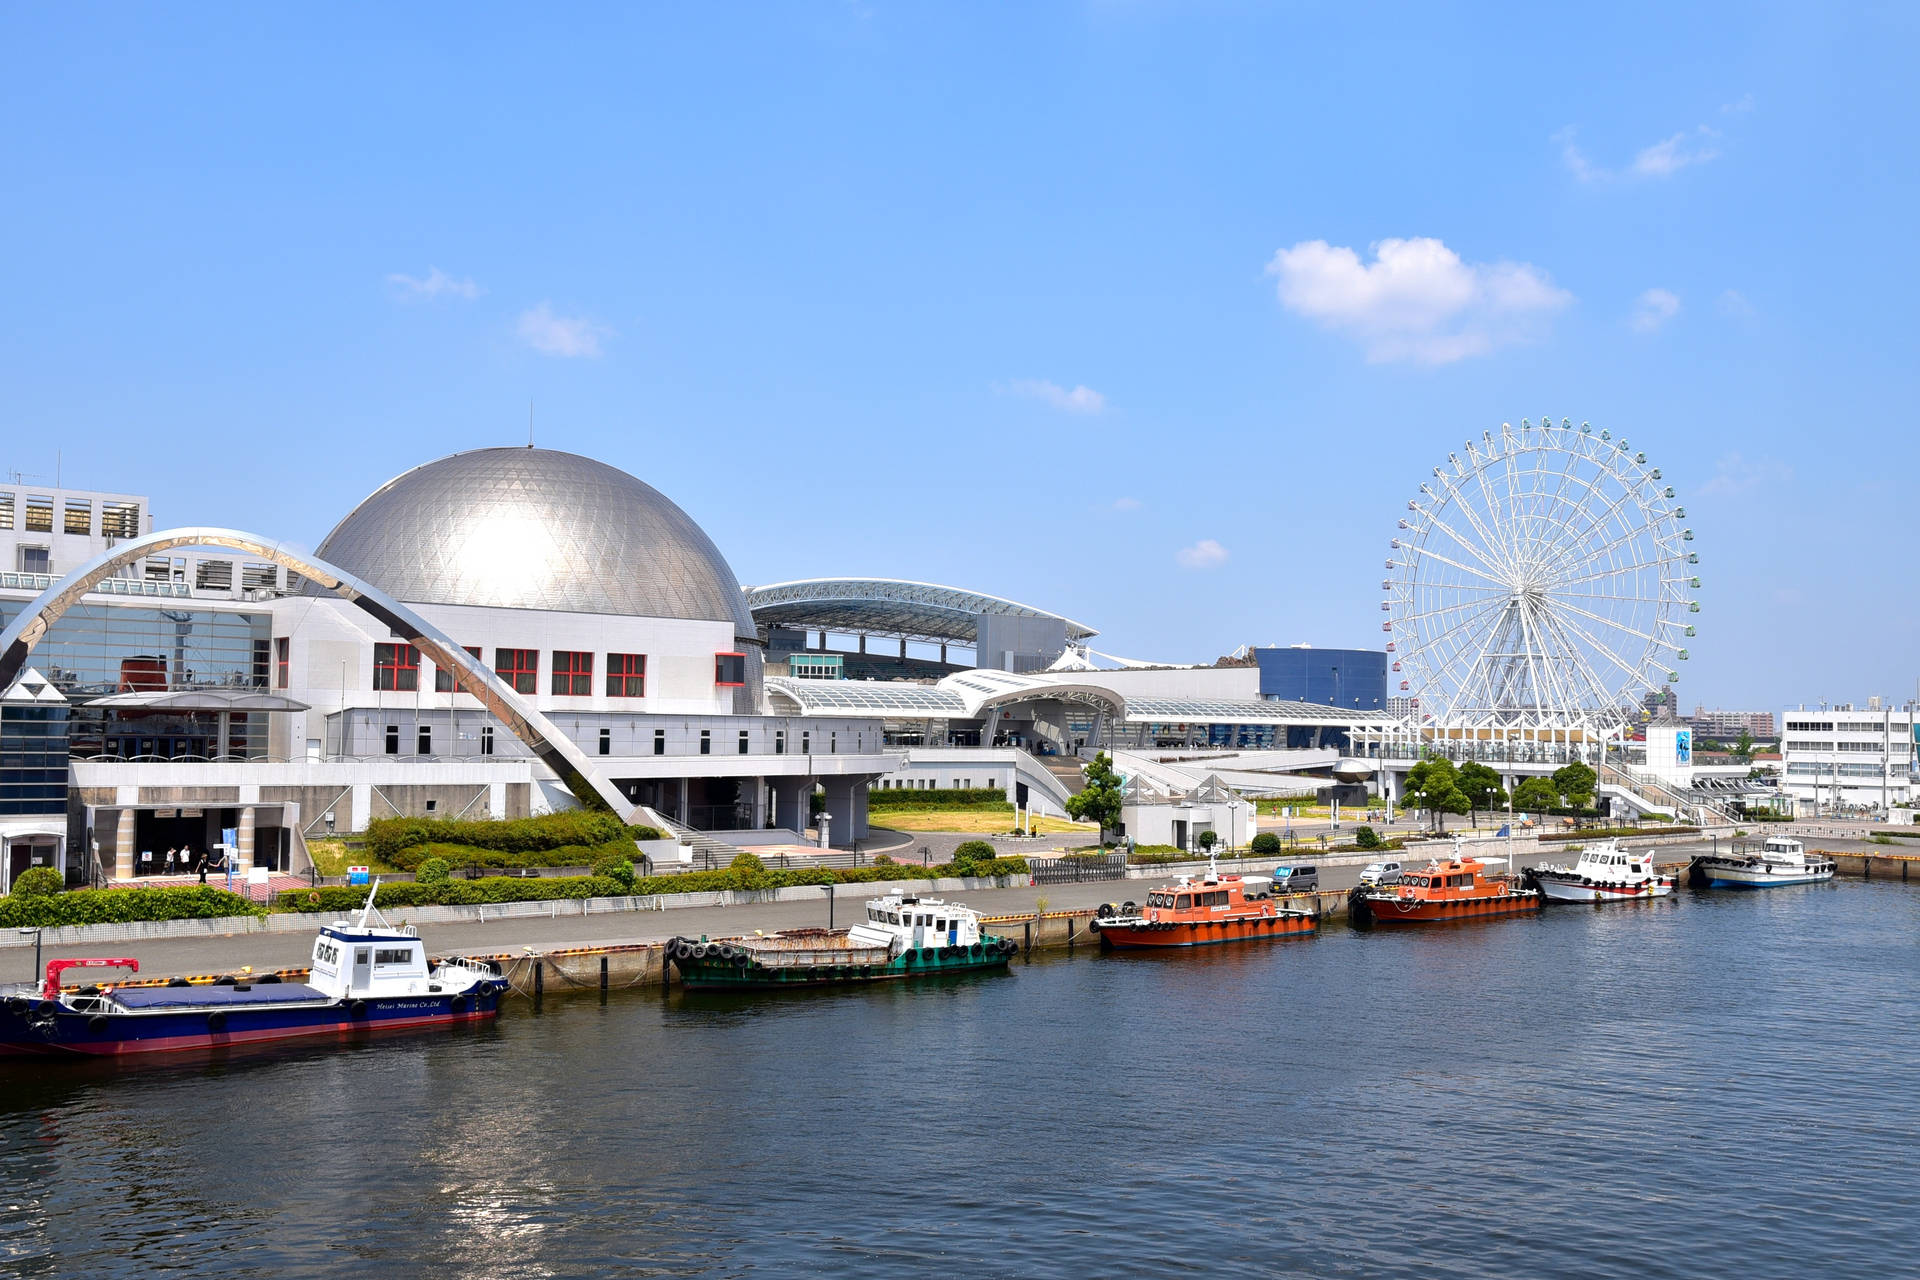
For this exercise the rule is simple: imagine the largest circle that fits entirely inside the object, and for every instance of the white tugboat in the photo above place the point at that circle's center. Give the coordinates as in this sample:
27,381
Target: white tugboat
1604,873
902,937
1780,861
366,975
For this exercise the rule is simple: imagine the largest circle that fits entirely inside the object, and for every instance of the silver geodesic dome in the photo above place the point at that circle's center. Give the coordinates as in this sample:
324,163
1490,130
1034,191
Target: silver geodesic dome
518,528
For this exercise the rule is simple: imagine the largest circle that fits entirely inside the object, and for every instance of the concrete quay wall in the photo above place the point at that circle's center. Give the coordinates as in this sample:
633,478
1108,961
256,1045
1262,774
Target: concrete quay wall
308,922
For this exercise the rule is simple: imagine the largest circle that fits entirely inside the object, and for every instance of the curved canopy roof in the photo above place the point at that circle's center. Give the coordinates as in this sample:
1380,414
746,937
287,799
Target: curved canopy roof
969,694
890,606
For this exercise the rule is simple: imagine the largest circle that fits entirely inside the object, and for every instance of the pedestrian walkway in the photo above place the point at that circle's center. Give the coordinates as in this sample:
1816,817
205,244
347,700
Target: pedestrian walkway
216,880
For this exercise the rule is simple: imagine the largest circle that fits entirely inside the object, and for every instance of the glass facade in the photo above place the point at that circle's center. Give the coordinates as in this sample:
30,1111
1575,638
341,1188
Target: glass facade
98,649
1355,679
33,760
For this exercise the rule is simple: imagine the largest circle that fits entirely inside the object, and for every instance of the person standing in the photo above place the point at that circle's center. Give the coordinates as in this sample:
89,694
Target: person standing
200,867
170,854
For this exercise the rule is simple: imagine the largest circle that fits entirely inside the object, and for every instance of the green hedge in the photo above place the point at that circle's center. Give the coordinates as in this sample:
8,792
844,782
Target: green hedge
467,855
490,889
121,906
938,798
388,838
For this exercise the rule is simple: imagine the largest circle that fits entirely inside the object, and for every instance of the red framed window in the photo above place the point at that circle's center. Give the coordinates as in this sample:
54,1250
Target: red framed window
443,677
282,659
520,668
626,675
730,669
572,673
396,668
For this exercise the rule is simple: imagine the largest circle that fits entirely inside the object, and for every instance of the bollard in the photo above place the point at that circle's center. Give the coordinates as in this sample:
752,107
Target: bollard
1027,927
603,973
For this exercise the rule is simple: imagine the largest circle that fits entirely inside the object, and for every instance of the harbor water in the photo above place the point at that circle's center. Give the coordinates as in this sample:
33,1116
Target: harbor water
1719,1084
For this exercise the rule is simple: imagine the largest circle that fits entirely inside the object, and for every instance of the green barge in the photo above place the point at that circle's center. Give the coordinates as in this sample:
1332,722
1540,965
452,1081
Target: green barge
902,937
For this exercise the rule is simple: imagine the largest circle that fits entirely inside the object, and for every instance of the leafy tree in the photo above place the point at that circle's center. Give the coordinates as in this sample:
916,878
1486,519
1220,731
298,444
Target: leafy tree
1367,838
1576,782
1099,800
1481,786
1434,785
37,882
1536,795
1267,843
434,871
1708,744
970,854
750,872
1208,839
1744,747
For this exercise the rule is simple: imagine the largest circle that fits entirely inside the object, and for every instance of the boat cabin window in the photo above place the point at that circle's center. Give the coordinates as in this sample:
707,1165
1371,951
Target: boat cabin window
394,955
1183,901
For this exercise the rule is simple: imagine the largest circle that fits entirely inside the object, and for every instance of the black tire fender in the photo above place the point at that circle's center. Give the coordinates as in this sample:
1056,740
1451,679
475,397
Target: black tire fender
357,1009
217,1021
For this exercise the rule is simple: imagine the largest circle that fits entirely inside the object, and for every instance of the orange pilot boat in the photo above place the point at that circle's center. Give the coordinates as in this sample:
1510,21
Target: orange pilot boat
1203,912
1456,889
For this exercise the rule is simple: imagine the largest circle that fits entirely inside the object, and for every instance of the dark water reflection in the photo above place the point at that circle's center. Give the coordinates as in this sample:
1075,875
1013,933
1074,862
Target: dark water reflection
1718,1086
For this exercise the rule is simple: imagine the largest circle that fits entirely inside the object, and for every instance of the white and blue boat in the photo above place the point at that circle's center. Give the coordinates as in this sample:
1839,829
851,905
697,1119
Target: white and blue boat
366,975
1779,861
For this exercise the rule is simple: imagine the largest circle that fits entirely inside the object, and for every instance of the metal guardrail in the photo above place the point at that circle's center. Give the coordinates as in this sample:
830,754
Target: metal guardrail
1101,866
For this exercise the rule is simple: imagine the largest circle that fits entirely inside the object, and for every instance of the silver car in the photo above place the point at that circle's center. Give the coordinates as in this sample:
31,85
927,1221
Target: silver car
1379,873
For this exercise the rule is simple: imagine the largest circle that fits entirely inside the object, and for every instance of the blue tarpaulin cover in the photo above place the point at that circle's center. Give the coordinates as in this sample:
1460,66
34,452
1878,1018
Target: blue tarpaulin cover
211,997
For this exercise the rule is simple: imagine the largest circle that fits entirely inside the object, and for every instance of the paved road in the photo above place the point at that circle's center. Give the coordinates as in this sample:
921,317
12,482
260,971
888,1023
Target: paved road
165,957
272,951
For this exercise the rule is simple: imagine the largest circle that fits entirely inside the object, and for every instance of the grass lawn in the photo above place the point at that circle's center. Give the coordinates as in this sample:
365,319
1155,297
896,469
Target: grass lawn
970,821
332,858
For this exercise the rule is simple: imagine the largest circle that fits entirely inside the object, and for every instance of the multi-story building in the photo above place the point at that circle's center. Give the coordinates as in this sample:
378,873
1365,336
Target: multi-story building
1847,759
1729,725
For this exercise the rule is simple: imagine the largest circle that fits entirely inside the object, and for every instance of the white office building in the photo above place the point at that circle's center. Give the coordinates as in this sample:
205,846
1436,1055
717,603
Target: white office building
1845,759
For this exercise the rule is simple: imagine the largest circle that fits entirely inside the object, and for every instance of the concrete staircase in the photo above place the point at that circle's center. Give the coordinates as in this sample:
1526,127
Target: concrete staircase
1071,772
1650,795
705,847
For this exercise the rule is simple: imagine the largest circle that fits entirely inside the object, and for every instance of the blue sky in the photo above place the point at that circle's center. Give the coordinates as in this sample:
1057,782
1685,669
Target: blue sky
996,295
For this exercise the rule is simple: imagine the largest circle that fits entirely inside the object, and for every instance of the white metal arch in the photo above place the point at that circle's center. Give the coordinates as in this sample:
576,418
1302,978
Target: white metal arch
529,725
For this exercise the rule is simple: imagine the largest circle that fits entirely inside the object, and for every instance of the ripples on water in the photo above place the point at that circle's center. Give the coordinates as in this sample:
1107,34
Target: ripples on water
1718,1086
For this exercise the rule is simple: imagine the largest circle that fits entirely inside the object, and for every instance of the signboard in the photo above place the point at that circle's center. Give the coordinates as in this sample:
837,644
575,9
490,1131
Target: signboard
357,875
1683,747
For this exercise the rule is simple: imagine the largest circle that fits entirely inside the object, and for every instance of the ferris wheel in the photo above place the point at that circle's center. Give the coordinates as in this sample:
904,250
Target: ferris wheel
1541,580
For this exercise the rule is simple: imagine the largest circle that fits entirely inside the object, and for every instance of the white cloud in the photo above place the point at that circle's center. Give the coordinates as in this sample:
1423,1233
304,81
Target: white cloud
1739,106
1416,300
1574,158
1654,308
1735,474
1671,155
1204,554
1076,400
1663,159
1127,504
435,284
1734,304
556,335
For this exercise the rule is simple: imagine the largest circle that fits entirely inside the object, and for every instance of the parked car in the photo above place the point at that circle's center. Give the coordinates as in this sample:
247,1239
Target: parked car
1378,873
1295,879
